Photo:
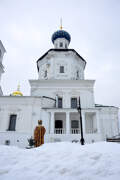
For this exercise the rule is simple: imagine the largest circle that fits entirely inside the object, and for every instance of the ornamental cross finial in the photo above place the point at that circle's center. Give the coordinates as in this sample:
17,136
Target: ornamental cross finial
61,24
18,87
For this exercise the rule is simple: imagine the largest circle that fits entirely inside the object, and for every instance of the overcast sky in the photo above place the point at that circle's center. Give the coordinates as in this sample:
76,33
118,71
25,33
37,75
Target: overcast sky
94,25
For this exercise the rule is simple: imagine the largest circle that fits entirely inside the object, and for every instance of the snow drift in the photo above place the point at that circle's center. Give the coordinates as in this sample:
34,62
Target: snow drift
61,161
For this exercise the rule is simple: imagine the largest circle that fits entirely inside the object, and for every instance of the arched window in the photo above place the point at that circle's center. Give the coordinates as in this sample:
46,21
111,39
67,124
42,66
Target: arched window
61,44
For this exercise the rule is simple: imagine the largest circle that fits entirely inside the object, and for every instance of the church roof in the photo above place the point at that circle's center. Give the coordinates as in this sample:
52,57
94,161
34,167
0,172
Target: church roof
2,46
17,92
59,50
61,34
100,105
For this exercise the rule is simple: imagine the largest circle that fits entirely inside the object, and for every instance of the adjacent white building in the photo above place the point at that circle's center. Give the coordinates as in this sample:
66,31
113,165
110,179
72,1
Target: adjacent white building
2,51
53,99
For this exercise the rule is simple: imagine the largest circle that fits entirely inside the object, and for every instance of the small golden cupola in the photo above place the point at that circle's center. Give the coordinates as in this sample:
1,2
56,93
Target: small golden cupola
18,92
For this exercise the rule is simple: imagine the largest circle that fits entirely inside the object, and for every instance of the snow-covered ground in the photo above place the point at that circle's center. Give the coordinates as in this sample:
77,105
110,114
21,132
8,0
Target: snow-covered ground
61,161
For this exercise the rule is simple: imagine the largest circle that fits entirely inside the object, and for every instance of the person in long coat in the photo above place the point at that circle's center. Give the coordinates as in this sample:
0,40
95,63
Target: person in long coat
39,133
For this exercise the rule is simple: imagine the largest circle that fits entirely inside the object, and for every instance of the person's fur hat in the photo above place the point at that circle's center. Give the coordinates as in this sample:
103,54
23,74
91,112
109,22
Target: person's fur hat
39,122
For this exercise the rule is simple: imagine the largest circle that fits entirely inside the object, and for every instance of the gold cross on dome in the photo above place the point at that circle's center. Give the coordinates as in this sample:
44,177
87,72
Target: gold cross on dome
61,27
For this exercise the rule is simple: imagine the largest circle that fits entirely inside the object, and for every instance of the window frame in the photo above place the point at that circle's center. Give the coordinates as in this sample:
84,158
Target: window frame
77,74
45,75
74,103
65,46
62,70
12,122
60,104
61,44
0,53
74,126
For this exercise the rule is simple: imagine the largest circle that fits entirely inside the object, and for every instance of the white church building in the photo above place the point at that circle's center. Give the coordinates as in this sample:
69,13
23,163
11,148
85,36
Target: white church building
54,100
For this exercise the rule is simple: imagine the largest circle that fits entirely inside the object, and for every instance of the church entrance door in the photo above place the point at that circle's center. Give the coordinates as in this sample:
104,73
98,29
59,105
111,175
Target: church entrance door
58,126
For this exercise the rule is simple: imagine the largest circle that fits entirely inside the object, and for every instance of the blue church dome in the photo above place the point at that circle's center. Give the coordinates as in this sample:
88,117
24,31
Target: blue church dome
61,34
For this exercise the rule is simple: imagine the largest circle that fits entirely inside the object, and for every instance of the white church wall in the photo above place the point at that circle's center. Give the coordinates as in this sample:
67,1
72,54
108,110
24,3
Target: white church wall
52,62
21,139
65,89
45,66
22,107
69,83
45,117
27,110
109,121
2,51
36,115
89,138
77,65
64,42
15,138
87,98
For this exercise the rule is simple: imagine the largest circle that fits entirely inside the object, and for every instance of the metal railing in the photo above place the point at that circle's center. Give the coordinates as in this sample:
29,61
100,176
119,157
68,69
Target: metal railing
91,131
75,131
59,131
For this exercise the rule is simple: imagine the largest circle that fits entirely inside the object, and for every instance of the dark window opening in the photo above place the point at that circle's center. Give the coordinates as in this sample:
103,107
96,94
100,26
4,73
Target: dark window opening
59,102
77,75
58,124
74,124
61,44
12,122
73,102
66,46
0,53
45,74
61,69
7,142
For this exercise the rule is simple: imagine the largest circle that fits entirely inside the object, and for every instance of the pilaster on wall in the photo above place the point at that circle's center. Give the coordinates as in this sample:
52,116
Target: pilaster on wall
1,93
83,121
67,123
2,51
52,123
98,122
